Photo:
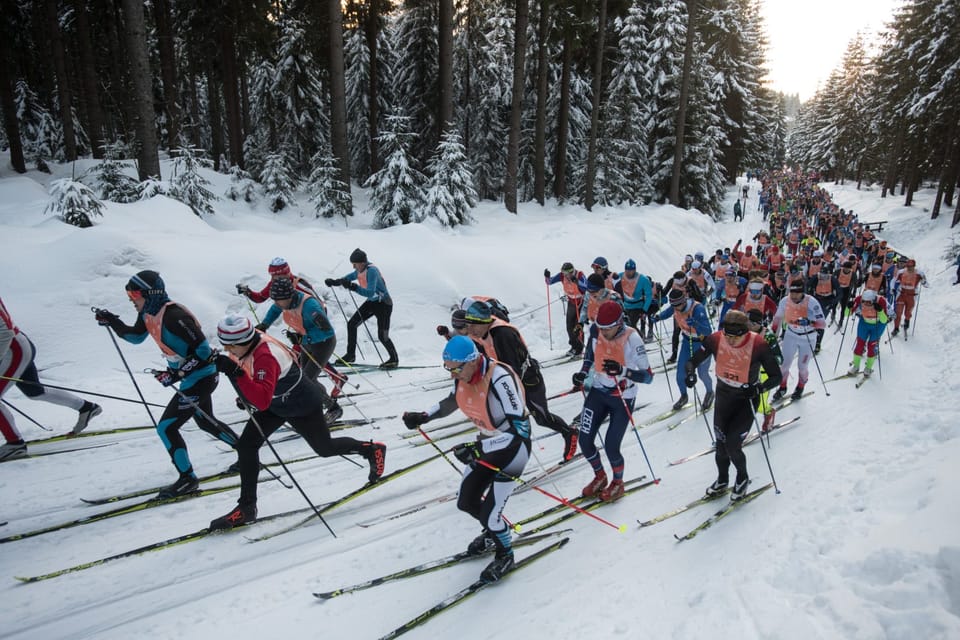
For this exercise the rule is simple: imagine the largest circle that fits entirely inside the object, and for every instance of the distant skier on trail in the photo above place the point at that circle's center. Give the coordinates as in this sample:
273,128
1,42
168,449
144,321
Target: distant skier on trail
574,287
17,355
370,284
871,309
491,395
278,268
802,316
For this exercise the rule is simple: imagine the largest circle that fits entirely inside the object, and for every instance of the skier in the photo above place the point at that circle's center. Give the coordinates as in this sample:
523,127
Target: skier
739,356
274,390
689,288
906,283
872,311
310,332
755,299
618,357
737,211
17,355
636,290
597,294
378,303
502,341
601,268
278,268
802,316
574,286
491,395
178,334
690,317
826,288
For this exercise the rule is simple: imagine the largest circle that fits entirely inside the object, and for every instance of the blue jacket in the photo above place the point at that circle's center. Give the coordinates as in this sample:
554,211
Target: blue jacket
376,289
315,321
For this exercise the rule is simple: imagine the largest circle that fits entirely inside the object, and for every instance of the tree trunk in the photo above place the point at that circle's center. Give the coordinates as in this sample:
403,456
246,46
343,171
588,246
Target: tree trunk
595,109
952,176
9,107
338,96
540,128
373,115
90,96
148,160
946,162
216,122
168,71
516,105
445,67
682,107
563,121
956,215
890,179
64,93
231,84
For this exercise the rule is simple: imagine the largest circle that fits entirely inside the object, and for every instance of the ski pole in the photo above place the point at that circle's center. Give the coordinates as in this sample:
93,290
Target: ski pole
129,372
916,313
312,359
347,322
253,309
6,402
622,528
80,391
221,427
663,359
840,350
439,450
549,317
636,432
765,454
696,407
253,419
816,361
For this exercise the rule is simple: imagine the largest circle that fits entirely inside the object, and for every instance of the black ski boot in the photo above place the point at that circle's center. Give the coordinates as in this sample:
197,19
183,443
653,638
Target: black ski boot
186,484
483,543
241,514
501,564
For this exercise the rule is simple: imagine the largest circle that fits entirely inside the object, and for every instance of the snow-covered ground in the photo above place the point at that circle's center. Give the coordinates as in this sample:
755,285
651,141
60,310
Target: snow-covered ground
861,543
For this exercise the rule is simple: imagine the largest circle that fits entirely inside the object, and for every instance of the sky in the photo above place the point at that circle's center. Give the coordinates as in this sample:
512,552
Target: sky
860,543
807,39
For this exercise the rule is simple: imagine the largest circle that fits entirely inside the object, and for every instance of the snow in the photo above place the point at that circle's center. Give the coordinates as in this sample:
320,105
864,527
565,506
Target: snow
862,541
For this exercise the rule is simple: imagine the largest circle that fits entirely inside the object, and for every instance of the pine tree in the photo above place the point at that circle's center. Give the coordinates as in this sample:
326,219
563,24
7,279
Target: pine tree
415,74
278,182
39,131
114,184
152,187
186,183
73,202
450,193
397,189
242,185
330,196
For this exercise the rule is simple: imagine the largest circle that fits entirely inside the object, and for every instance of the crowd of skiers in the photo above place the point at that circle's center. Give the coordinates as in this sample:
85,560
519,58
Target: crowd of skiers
772,301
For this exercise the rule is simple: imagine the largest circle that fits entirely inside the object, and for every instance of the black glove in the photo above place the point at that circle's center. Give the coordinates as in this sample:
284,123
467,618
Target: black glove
105,318
240,404
443,330
294,337
227,366
166,377
546,273
260,327
353,286
190,364
413,419
331,282
466,452
612,367
578,379
690,380
344,283
243,289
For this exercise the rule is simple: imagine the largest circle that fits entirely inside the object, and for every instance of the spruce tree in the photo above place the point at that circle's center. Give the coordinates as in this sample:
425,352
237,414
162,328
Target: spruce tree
329,195
450,193
73,202
397,189
186,183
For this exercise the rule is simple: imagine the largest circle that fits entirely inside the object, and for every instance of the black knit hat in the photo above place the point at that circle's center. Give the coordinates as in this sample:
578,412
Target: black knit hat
358,256
281,289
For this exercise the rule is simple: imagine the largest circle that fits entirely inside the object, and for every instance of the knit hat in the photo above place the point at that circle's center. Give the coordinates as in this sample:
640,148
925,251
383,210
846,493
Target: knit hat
460,349
151,287
609,314
599,261
869,296
595,282
630,265
358,256
567,267
478,313
234,329
282,289
458,319
279,267
676,297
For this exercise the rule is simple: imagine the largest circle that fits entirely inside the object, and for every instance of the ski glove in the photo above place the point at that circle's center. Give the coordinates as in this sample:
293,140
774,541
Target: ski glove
690,380
294,337
413,419
240,404
105,318
331,282
443,330
227,366
260,327
546,273
612,367
467,452
578,379
243,289
166,377
191,364
351,285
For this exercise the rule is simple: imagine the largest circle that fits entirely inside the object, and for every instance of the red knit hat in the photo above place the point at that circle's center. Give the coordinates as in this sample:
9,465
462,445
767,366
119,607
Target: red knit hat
609,314
279,267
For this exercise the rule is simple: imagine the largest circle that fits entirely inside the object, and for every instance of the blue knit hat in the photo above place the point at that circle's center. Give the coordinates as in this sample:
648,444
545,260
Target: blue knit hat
460,349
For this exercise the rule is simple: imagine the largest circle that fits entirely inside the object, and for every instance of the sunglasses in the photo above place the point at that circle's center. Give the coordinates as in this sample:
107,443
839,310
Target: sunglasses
457,369
756,290
134,294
